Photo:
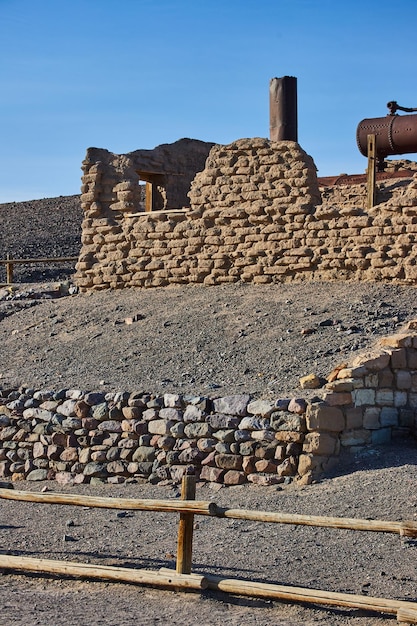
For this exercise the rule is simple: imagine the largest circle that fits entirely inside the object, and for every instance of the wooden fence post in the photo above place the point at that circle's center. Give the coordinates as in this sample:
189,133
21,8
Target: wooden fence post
9,271
371,172
185,528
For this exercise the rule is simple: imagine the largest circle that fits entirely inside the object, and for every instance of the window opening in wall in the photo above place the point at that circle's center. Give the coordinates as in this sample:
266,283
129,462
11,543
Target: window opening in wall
145,195
151,184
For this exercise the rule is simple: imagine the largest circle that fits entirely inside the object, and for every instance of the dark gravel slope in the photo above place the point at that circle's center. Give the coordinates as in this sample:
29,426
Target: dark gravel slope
206,340
40,228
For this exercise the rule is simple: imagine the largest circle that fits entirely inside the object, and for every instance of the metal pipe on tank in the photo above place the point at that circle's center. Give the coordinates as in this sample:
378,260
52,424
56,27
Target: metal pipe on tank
283,123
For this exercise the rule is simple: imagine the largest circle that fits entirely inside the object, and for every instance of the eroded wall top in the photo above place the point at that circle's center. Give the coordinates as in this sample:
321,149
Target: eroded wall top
111,182
256,172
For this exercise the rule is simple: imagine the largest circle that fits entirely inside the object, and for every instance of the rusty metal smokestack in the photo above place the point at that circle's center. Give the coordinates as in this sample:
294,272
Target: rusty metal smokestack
283,124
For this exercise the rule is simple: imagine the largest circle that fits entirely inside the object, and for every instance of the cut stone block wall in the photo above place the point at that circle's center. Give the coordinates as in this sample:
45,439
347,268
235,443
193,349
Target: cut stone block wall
366,402
257,216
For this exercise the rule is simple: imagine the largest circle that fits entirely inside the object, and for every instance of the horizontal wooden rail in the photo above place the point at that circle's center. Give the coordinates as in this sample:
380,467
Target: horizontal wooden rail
9,263
106,572
58,259
133,504
301,594
405,529
161,212
407,616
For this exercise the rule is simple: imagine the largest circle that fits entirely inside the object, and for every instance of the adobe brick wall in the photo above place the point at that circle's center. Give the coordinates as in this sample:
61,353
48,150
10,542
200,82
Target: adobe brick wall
234,231
256,215
110,182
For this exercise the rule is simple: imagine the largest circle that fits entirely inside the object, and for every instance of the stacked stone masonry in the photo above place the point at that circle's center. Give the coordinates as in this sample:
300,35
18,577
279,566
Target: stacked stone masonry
256,215
76,437
365,403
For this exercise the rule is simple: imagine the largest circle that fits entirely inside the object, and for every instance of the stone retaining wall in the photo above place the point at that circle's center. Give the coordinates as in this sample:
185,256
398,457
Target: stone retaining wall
256,215
79,437
75,437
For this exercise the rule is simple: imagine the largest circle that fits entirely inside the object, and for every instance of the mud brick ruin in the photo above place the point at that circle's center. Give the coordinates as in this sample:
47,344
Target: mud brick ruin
111,183
255,213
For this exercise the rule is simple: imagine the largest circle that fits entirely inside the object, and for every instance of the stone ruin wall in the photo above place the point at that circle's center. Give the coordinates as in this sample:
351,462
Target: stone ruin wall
77,437
256,215
341,194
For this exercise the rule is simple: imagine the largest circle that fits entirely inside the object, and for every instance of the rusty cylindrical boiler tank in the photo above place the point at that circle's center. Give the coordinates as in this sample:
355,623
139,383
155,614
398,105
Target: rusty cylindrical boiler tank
394,134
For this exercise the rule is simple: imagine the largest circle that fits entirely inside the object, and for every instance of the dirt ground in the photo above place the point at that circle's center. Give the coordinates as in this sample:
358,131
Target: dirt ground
213,341
378,483
208,341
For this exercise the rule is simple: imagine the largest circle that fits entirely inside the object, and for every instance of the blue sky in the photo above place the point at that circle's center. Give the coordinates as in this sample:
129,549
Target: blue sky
130,74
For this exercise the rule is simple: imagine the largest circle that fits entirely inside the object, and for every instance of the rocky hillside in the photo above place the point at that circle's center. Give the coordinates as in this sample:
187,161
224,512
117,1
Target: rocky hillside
40,228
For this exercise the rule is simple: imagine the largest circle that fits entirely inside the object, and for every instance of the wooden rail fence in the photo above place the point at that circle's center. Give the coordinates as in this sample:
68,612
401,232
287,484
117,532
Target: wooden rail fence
183,578
10,263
